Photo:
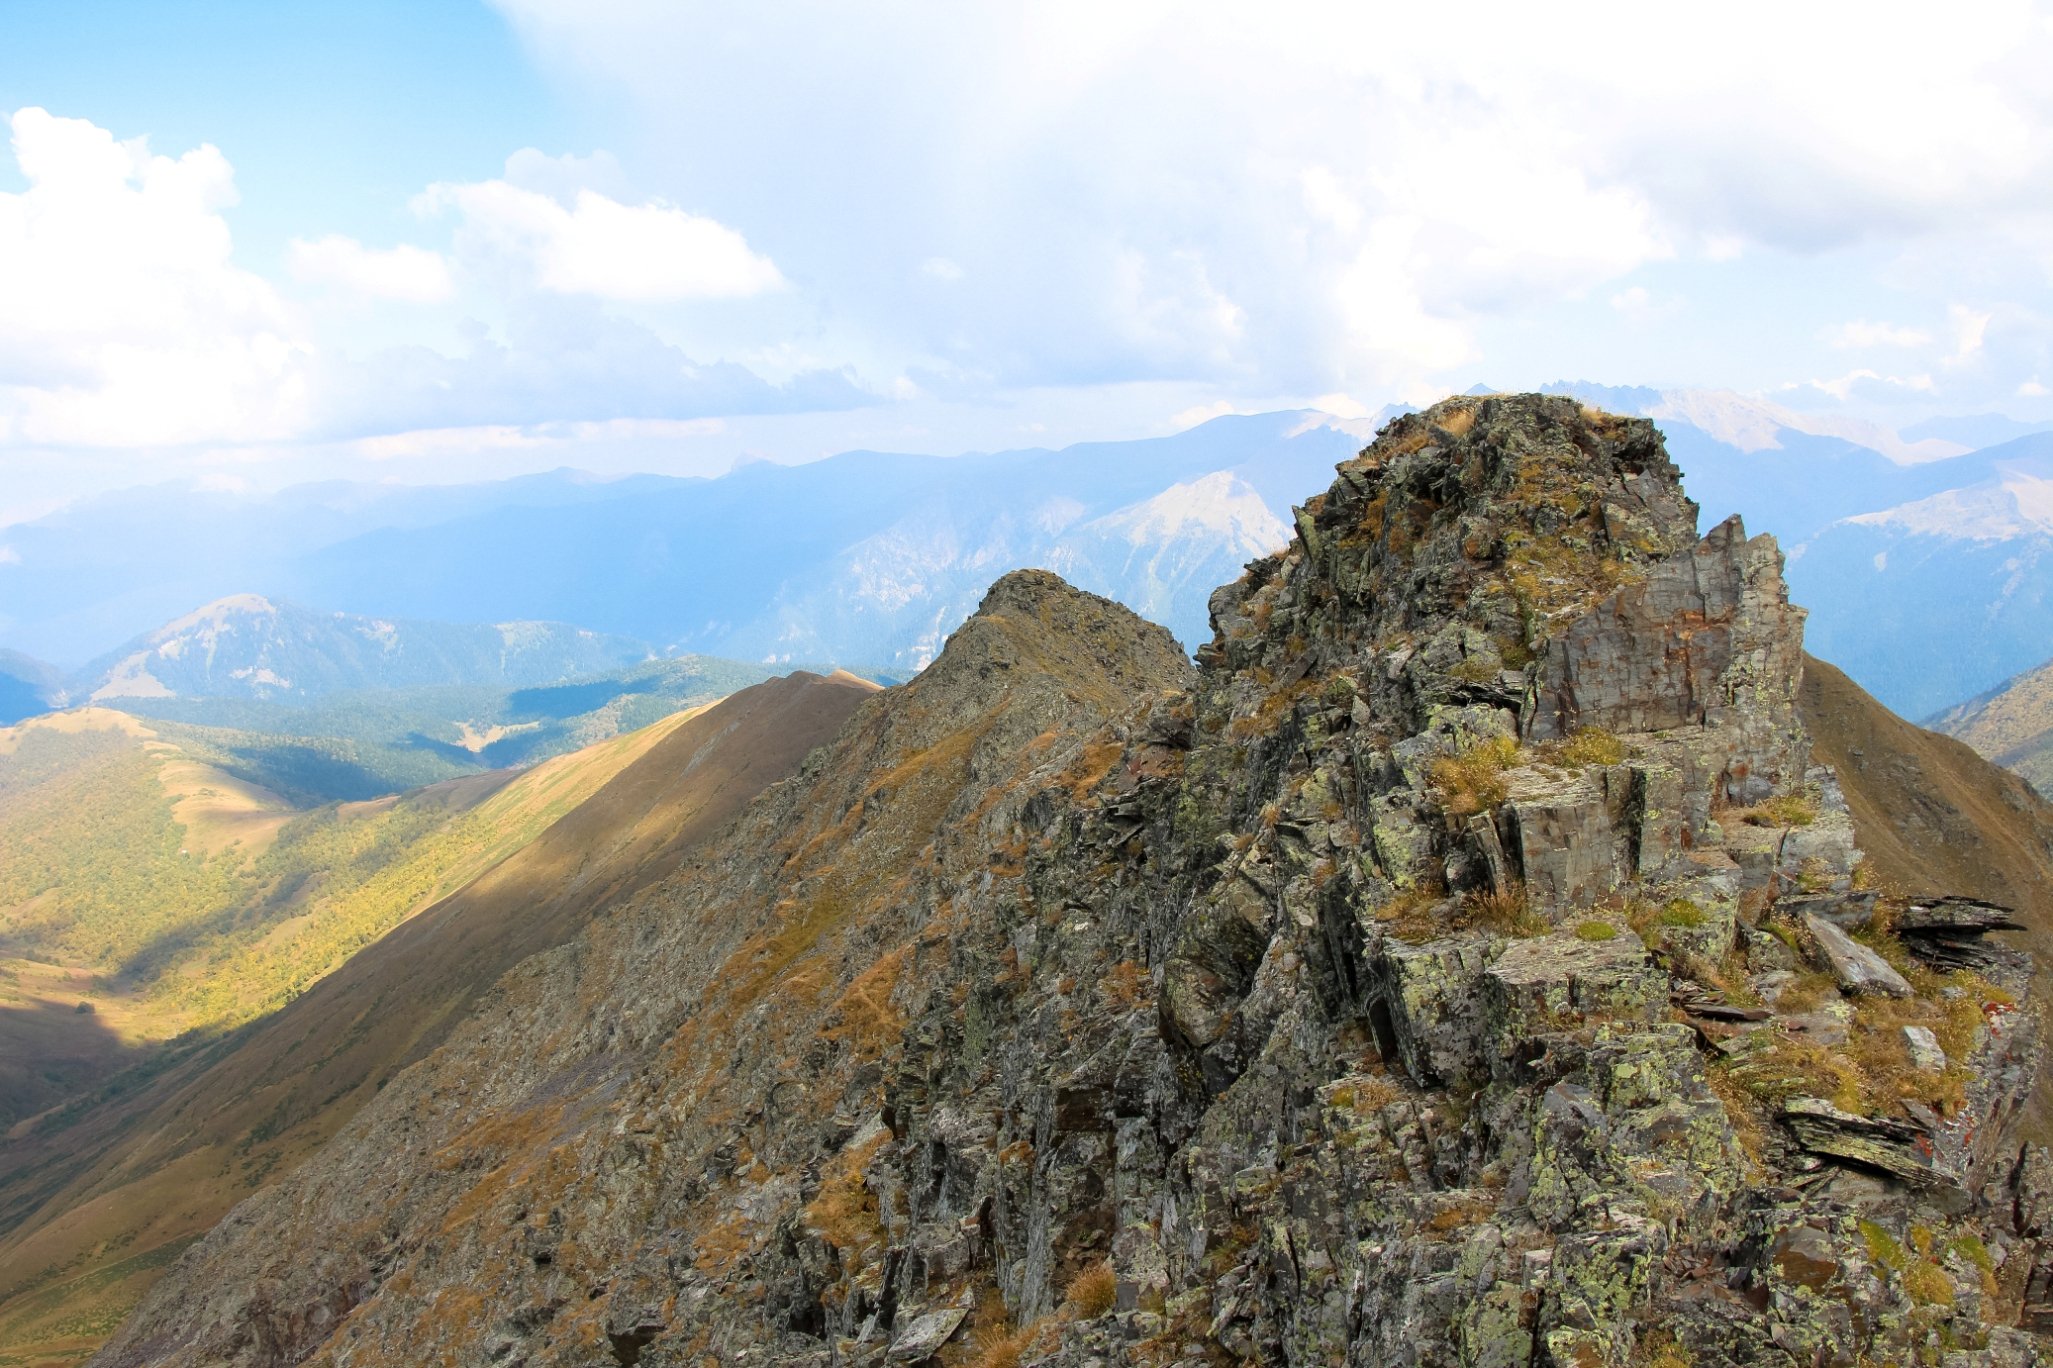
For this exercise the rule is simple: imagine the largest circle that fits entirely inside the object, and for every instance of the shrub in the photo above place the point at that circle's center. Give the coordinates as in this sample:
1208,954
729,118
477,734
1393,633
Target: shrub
1596,931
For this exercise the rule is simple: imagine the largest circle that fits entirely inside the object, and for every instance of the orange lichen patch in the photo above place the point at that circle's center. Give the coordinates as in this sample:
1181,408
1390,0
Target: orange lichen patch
866,1019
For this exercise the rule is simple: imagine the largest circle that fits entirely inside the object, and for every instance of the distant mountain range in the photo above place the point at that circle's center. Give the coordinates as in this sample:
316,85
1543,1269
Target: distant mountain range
1922,556
865,558
247,646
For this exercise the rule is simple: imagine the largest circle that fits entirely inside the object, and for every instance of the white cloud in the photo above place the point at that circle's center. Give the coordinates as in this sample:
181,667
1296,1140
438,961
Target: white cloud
1202,413
9,556
123,320
1862,333
942,269
601,247
409,274
1866,384
1970,331
1341,406
2032,389
1369,189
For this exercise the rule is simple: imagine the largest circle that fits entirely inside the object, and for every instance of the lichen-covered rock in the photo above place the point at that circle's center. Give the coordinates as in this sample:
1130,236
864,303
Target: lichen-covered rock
1419,982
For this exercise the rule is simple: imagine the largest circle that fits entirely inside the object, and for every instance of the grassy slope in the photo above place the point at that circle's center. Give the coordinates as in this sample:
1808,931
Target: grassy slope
2012,725
88,1201
173,899
1935,817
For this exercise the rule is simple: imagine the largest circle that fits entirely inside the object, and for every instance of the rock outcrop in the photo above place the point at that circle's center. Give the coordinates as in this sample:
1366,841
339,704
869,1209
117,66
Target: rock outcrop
1453,969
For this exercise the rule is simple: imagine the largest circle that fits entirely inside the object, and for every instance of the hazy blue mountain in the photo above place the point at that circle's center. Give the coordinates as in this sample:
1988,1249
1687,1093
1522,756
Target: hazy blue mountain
248,646
871,558
866,556
27,686
1938,599
362,744
80,581
1976,430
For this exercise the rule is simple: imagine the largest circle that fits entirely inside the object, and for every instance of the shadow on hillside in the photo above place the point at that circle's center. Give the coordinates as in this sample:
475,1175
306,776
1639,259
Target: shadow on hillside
307,770
559,701
50,1053
510,750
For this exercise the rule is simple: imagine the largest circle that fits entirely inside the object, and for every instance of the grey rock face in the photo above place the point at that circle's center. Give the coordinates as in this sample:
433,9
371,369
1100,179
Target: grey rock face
1412,985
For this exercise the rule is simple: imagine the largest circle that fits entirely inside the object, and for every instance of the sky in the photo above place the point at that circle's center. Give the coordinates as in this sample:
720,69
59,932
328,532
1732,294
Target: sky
251,243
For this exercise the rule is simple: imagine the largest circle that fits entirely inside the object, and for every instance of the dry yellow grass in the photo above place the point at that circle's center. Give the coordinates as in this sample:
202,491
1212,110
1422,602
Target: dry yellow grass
1091,1293
1472,780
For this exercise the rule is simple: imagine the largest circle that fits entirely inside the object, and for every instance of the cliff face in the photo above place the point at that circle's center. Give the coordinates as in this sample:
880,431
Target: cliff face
1464,965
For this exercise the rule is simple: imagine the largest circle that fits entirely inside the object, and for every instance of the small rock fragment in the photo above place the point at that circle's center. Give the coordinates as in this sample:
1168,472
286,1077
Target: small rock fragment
1925,1054
922,1339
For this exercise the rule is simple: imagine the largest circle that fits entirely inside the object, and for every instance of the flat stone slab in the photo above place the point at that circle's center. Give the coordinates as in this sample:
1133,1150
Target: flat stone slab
923,1339
1857,968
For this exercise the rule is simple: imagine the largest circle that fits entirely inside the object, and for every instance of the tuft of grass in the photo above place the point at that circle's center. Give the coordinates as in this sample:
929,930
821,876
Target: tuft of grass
845,1211
1663,1351
1409,915
1508,912
1366,1097
1743,1111
1472,780
1928,1284
1680,912
1585,747
1783,810
1595,931
1091,1293
1789,1067
1810,991
1885,1249
999,1347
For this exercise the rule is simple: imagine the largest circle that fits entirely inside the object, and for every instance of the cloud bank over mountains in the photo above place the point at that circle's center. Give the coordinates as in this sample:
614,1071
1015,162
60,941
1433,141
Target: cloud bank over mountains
975,220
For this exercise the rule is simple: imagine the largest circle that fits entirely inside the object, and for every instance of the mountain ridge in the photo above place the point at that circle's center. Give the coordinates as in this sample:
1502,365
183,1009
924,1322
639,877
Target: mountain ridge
1439,968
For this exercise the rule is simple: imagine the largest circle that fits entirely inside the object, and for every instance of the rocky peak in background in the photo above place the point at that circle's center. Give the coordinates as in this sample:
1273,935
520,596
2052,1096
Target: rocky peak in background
1465,966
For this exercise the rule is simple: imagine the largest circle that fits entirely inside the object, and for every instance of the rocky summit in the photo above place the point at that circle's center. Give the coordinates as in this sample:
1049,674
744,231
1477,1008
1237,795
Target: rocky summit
1465,963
